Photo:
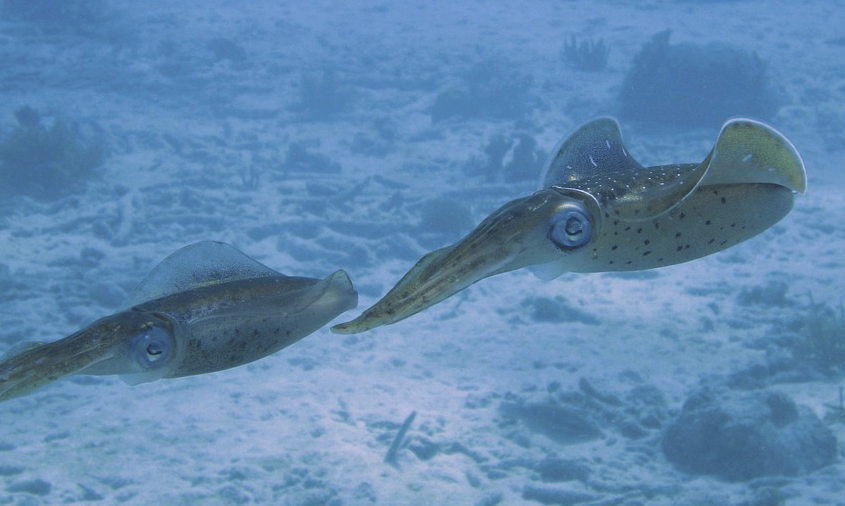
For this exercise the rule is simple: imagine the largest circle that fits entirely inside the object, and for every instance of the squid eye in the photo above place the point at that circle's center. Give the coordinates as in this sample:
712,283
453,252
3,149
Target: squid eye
570,228
152,348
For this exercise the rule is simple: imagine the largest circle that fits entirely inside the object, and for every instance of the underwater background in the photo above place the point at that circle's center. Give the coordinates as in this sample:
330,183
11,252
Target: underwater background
361,135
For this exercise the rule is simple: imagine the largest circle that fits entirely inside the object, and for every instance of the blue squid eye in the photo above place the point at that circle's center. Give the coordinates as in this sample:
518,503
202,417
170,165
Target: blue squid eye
152,348
570,228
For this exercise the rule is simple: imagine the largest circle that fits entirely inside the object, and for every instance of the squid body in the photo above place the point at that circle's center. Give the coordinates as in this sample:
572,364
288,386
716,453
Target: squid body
205,308
600,210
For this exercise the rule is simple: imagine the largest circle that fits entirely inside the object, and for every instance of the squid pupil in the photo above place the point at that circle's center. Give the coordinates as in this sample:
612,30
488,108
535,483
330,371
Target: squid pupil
570,229
574,227
154,350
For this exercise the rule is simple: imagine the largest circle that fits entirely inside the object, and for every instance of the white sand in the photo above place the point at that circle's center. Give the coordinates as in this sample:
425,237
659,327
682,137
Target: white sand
311,424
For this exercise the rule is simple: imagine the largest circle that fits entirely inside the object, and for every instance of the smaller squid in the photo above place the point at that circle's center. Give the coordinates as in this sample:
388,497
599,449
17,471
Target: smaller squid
599,210
205,308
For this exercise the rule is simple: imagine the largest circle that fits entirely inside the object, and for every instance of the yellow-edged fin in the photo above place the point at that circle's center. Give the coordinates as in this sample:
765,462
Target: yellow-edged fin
748,151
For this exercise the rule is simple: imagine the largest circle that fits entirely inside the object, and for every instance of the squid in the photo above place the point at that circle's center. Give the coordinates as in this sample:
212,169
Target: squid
600,210
205,308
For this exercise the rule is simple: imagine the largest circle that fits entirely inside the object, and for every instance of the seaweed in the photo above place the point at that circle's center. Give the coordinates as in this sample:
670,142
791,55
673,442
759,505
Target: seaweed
46,162
586,55
378,140
773,294
301,159
250,177
322,96
836,412
694,85
496,150
525,162
821,340
490,90
396,444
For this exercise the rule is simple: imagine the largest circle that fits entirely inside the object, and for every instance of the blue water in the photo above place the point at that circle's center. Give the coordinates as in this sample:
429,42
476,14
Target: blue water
363,135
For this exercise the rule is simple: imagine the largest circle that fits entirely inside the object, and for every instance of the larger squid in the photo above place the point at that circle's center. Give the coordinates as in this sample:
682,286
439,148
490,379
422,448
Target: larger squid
600,210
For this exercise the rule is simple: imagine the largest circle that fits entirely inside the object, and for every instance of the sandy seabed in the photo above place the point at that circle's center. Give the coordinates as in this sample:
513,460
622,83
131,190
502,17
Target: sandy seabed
205,144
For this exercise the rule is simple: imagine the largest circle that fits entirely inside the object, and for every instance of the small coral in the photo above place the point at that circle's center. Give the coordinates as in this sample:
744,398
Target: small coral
695,85
301,159
46,162
490,89
322,96
745,435
527,161
822,337
376,141
556,310
586,55
496,149
511,159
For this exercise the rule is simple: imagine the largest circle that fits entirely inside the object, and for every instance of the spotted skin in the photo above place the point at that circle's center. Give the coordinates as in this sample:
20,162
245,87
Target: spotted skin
642,193
211,308
625,216
710,220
